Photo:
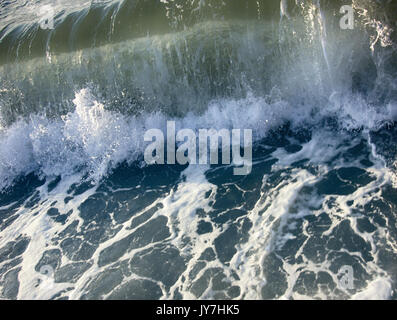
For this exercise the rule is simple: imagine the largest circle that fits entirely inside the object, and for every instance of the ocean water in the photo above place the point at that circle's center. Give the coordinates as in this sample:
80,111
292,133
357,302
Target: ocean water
82,216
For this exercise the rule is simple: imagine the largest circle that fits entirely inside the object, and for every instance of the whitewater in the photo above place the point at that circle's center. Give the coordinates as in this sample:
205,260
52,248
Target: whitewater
82,216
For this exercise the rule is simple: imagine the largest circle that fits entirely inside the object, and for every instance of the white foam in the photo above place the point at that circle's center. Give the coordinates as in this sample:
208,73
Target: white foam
96,140
378,289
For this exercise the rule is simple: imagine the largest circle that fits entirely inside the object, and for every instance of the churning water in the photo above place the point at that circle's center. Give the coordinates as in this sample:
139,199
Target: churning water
83,217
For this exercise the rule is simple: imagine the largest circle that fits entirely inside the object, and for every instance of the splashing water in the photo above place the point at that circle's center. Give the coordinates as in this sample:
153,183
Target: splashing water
83,217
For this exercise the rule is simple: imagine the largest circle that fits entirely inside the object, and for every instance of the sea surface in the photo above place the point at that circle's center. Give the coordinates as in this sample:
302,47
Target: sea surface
82,216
